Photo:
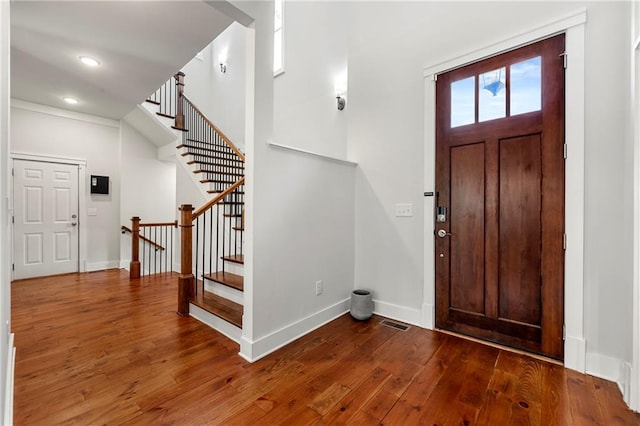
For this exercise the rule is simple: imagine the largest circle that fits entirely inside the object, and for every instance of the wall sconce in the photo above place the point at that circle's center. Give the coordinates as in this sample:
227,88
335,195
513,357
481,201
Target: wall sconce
340,86
223,68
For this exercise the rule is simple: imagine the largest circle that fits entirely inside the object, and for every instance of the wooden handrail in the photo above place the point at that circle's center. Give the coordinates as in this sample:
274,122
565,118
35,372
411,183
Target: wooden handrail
217,199
124,228
222,135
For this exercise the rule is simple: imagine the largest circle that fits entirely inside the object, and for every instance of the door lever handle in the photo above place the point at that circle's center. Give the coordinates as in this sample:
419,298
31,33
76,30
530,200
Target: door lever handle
442,233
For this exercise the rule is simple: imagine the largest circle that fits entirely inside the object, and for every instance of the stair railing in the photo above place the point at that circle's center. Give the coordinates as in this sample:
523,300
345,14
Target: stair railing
151,247
209,235
219,224
167,95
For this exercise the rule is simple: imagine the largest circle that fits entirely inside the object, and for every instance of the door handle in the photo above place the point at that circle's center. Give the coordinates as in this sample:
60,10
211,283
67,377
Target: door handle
442,233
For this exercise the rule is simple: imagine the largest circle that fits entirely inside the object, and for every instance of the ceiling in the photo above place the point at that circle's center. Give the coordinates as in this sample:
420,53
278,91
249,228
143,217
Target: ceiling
139,44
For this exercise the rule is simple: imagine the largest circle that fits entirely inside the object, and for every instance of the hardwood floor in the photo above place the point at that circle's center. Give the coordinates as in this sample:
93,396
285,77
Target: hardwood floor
95,349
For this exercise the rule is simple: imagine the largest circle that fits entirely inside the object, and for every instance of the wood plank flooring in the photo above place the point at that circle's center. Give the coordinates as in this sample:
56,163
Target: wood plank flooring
96,349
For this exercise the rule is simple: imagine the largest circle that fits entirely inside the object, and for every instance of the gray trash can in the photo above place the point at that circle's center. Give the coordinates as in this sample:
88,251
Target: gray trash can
361,304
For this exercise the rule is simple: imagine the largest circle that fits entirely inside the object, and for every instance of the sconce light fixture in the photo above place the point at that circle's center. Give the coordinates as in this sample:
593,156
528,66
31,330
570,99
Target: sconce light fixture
340,82
223,67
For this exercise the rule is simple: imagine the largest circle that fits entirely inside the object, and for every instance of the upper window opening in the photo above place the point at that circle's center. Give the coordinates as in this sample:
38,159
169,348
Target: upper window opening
278,38
463,101
492,99
526,86
499,93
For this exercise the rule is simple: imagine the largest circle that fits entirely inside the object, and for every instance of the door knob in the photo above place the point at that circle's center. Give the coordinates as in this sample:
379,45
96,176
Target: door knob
442,233
74,223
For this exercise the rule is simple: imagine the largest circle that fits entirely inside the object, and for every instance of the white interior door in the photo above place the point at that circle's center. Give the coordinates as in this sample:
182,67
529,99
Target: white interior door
45,218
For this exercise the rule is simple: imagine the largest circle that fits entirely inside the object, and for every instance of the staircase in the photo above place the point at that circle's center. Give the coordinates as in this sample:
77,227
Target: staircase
211,282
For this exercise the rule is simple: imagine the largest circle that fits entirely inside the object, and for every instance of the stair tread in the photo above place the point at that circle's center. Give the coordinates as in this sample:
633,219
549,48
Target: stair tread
238,228
232,215
152,101
216,181
206,157
228,279
237,258
218,173
229,166
191,148
220,307
215,191
210,145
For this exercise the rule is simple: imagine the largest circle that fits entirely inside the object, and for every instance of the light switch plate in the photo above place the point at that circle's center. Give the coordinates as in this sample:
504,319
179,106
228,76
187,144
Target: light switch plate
404,210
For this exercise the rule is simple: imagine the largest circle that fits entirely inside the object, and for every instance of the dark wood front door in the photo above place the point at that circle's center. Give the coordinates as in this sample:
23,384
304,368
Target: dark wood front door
500,196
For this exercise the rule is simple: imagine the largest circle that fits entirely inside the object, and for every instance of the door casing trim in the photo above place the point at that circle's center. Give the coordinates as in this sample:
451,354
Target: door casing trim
574,28
82,201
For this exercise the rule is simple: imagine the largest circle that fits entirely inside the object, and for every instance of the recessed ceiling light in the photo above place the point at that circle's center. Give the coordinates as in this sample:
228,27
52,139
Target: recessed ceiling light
70,100
89,61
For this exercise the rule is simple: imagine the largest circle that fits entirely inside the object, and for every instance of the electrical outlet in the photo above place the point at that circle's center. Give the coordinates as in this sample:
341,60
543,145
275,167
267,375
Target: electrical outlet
404,210
318,288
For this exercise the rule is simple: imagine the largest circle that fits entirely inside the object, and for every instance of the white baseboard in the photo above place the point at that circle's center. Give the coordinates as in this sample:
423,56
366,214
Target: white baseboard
231,331
100,266
612,369
428,316
263,346
8,390
603,366
575,349
398,313
124,264
625,382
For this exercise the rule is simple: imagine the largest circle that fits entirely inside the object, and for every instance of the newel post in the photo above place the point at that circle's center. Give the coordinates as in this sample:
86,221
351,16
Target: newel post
134,266
179,120
186,280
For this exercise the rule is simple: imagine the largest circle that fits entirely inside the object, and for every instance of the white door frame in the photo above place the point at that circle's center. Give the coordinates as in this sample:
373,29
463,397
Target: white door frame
573,26
634,398
82,202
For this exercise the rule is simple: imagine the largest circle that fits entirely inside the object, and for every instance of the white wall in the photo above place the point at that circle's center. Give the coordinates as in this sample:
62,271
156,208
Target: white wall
300,222
148,185
315,54
48,131
221,96
5,214
608,181
385,133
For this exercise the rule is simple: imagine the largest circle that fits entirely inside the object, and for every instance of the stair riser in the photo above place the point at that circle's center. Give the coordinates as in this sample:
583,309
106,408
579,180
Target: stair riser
231,331
234,268
224,291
